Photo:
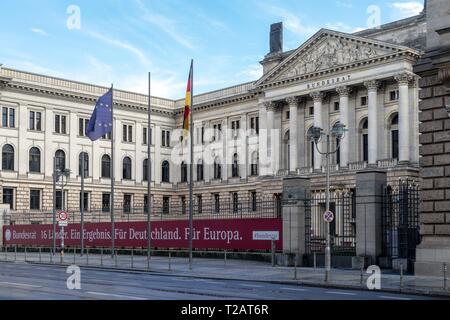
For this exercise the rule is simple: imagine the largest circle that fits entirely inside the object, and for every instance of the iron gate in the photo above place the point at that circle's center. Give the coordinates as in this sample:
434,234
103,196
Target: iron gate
342,229
400,223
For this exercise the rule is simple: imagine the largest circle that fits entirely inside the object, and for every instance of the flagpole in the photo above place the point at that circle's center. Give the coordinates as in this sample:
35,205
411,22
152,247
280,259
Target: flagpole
149,172
82,203
191,170
113,231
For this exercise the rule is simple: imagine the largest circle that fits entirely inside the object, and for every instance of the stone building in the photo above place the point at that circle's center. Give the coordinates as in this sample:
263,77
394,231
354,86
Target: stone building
363,80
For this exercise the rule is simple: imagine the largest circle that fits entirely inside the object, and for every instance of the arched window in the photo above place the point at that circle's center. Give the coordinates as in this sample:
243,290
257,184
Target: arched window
145,170
60,159
86,164
217,169
254,164
200,170
35,160
165,172
126,168
106,166
235,166
8,157
364,140
183,172
286,151
394,136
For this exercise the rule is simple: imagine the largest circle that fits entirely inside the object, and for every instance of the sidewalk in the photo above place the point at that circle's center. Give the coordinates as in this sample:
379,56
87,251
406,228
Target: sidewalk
242,270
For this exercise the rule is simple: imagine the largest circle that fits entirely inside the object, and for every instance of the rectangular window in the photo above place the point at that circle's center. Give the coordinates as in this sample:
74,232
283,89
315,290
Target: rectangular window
32,119
127,203
106,202
63,125
254,201
364,101
165,135
82,125
393,95
86,201
288,115
60,124
235,202
216,203
107,136
336,106
311,111
130,134
166,205
199,204
12,117
4,117
8,197
203,135
235,128
58,200
8,117
127,133
144,136
35,121
183,205
35,199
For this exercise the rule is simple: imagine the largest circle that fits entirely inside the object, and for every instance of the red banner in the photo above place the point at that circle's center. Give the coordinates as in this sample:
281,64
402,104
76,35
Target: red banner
245,234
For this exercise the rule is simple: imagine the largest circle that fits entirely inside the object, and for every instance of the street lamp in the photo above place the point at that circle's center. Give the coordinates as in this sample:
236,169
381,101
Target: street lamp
316,134
57,174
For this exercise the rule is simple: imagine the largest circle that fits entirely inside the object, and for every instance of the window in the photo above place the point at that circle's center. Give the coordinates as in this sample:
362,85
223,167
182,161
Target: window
8,157
288,115
106,202
86,201
60,124
286,150
216,203
393,95
311,149
254,201
235,126
35,199
145,203
183,172
8,197
235,202
82,125
83,162
35,160
235,166
165,172
59,200
394,137
200,171
199,204
217,128
336,106
8,117
183,205
254,164
165,136
107,136
127,133
364,140
126,168
217,169
203,135
127,203
166,205
60,158
337,143
254,125
35,121
145,170
106,166
146,136
311,111
364,101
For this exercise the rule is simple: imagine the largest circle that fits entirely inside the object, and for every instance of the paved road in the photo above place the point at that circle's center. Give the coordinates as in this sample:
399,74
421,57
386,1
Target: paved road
37,282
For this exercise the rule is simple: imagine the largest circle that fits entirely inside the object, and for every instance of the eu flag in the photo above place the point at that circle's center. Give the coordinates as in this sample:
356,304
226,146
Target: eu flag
101,121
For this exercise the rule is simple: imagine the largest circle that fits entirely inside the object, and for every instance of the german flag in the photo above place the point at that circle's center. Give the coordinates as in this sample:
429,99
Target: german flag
188,103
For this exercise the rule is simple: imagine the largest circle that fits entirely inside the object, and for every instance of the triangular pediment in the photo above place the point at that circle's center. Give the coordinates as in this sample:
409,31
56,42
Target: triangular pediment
328,50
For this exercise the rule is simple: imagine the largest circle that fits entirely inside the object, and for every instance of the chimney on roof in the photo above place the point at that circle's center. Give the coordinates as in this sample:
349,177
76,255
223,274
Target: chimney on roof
276,38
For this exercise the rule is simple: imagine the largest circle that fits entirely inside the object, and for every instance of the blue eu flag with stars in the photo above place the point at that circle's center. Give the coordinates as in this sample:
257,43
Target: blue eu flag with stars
101,121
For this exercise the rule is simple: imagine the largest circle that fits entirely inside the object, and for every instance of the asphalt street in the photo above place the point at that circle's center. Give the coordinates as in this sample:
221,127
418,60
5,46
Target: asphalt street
20,281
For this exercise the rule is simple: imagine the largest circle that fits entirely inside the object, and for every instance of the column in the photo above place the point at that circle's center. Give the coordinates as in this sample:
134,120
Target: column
262,141
372,88
344,119
48,153
318,98
71,153
243,163
403,117
270,109
157,158
293,132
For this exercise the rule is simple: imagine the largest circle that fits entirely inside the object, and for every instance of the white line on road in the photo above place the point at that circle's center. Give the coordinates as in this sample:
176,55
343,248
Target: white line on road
121,296
394,298
294,289
341,293
20,284
250,285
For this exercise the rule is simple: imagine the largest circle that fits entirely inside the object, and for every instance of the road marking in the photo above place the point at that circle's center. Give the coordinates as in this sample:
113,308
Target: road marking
20,284
394,298
294,289
115,295
341,293
250,285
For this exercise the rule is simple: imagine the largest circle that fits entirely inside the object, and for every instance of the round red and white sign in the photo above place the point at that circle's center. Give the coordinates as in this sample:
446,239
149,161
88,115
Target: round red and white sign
328,216
62,216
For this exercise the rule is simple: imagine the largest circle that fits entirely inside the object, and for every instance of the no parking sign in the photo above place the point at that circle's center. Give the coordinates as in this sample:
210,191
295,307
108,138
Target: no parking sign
328,216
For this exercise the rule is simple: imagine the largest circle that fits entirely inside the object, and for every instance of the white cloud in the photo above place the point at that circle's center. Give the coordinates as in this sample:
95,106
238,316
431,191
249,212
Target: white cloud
407,9
251,73
121,44
340,26
39,31
290,21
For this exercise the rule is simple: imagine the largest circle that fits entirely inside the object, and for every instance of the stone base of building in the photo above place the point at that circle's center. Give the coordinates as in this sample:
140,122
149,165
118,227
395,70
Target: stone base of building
431,255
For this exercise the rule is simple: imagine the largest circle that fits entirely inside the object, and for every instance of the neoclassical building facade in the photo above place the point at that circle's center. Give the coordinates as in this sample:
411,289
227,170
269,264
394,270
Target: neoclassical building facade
247,138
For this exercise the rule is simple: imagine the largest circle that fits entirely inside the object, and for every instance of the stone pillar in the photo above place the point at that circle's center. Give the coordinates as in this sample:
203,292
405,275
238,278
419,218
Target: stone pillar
293,133
344,93
372,88
369,207
318,98
403,117
295,192
271,147
263,148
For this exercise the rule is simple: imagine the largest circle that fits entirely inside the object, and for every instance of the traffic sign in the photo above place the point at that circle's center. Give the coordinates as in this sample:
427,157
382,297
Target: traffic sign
63,223
62,216
328,216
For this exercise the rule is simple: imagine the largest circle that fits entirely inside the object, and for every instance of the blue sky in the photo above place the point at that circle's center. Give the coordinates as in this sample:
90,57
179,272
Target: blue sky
119,41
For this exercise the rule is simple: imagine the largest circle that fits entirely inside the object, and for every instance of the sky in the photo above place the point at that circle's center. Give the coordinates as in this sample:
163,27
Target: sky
120,41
